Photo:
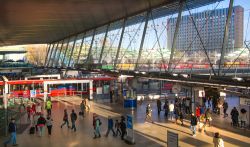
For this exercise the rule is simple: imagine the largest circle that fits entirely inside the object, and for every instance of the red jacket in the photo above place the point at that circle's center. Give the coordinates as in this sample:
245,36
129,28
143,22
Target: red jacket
198,113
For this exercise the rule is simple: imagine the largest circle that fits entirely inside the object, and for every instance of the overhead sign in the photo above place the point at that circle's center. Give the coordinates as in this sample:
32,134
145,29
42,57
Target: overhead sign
32,93
245,101
172,139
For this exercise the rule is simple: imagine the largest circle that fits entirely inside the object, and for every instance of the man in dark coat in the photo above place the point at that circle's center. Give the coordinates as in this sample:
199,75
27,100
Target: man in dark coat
12,131
159,106
234,116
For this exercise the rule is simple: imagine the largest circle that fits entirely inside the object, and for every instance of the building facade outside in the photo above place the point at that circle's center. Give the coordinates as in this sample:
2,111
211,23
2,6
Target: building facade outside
211,26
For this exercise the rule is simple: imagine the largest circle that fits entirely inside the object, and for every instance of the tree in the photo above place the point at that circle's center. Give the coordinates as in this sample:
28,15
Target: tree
36,54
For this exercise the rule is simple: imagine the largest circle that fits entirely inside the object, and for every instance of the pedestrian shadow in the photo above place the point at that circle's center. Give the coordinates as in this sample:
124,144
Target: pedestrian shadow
173,128
194,142
149,136
229,139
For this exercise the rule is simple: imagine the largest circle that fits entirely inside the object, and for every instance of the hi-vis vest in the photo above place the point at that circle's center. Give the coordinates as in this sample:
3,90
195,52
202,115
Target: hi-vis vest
48,105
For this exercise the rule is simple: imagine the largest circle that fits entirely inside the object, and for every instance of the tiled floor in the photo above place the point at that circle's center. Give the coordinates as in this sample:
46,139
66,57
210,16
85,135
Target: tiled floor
146,134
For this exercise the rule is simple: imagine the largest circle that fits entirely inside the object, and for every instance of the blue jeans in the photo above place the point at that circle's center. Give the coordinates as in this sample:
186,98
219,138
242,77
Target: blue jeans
97,131
171,115
73,125
12,139
193,129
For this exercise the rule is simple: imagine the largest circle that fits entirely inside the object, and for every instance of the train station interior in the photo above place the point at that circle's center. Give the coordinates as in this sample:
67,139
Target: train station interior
118,73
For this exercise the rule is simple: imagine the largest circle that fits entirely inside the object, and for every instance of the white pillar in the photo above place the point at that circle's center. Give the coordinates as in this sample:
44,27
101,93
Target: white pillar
45,88
90,90
5,92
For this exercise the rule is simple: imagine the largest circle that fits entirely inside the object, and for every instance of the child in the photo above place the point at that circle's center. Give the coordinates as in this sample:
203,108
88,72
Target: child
49,124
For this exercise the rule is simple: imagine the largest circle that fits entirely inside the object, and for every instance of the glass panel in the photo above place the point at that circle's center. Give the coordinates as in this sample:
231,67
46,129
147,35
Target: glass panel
111,45
77,49
85,49
131,42
60,63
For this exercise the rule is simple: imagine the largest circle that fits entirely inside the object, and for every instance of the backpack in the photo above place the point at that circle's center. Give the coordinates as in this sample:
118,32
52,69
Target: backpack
100,123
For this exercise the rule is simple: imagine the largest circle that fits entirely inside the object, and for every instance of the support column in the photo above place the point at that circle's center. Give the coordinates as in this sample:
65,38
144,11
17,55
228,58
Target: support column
77,61
72,50
65,52
225,38
57,62
91,90
51,52
45,89
175,35
120,42
54,54
48,49
90,48
103,44
142,40
5,103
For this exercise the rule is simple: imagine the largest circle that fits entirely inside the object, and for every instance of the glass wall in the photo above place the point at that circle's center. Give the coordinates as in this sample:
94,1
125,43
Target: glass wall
111,45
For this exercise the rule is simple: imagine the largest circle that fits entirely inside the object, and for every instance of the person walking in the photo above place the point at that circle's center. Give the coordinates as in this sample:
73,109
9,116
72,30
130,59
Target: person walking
33,107
198,113
235,116
217,140
176,113
110,126
166,109
171,110
208,117
243,118
123,127
82,107
148,113
225,107
73,117
193,124
117,128
96,123
12,131
48,106
181,118
38,109
35,119
49,124
40,124
65,119
159,106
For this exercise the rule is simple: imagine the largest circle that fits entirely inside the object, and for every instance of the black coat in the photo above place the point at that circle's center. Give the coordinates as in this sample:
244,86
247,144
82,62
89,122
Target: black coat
193,120
12,127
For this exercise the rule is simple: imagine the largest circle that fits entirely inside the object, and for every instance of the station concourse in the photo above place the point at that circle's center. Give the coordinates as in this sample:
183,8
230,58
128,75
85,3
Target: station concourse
125,73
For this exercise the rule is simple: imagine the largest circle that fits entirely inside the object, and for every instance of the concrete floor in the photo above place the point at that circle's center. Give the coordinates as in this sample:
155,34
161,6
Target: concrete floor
146,134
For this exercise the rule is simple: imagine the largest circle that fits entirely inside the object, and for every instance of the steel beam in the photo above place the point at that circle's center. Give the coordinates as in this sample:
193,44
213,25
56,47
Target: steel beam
51,52
72,50
57,62
54,55
48,50
225,38
175,35
120,42
65,52
78,57
142,39
90,48
202,43
103,44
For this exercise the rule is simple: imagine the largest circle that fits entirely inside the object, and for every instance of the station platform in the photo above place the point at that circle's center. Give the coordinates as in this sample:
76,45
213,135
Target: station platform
147,134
